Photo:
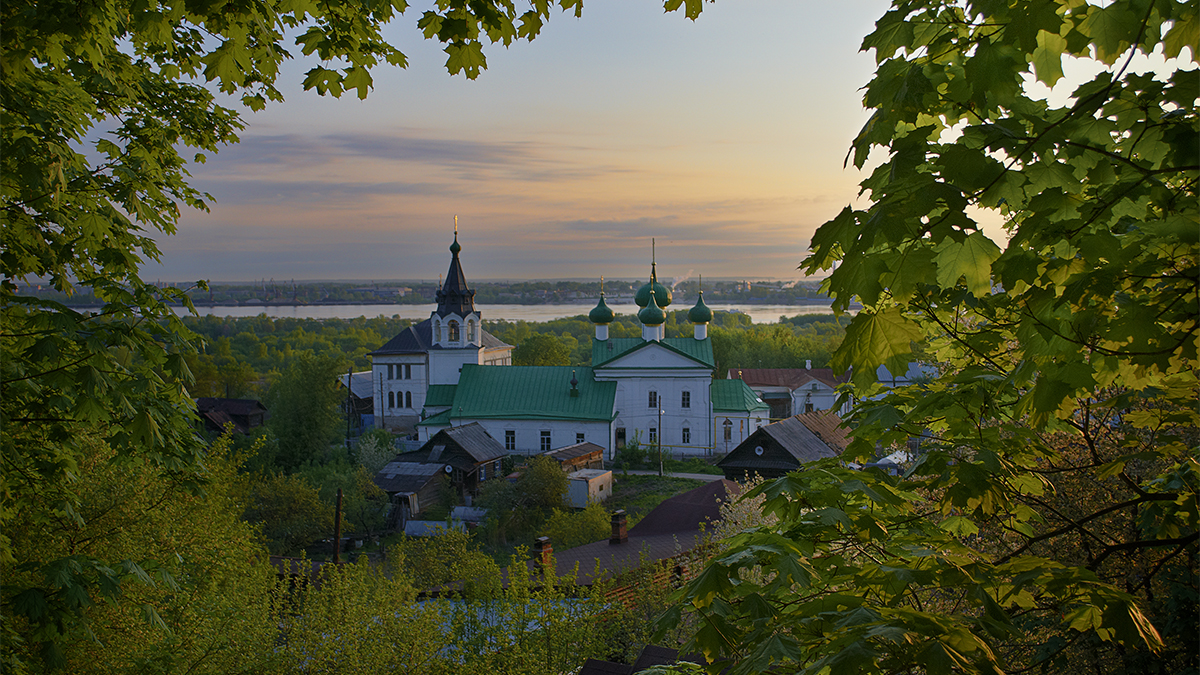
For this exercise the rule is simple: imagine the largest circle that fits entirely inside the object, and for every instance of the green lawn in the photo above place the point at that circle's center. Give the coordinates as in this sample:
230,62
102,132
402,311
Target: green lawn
638,495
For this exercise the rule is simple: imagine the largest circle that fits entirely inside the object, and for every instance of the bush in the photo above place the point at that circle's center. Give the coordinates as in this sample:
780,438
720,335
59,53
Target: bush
568,529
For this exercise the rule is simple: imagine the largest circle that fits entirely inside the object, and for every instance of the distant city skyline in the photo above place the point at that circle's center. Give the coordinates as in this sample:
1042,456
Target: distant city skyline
723,138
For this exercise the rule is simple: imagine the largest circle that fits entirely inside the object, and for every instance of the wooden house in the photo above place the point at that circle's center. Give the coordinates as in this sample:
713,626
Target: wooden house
782,447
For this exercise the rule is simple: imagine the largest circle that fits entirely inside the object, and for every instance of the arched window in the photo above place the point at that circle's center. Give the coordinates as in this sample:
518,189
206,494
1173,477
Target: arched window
453,331
471,331
391,399
437,331
408,399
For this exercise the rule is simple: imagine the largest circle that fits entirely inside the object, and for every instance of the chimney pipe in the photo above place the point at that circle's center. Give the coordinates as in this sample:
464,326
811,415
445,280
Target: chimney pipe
808,364
543,553
619,534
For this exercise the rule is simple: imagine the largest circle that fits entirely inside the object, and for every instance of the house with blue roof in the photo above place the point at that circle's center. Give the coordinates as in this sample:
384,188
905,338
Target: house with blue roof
447,371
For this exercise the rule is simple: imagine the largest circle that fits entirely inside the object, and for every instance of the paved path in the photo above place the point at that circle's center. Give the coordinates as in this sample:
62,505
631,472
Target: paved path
707,477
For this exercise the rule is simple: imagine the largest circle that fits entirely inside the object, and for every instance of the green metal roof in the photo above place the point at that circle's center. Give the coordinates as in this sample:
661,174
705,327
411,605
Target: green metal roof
441,419
439,395
697,350
531,392
734,396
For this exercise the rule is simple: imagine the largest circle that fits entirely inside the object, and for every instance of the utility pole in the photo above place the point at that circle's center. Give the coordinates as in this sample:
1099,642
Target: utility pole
349,381
337,530
658,441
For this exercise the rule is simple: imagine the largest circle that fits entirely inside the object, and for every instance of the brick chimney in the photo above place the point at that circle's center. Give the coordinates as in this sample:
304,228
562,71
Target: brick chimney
543,553
619,535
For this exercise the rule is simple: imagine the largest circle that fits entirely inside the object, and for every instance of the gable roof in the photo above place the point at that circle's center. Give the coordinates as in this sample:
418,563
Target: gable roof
472,439
734,396
792,378
605,351
795,439
574,451
232,406
418,339
532,392
441,419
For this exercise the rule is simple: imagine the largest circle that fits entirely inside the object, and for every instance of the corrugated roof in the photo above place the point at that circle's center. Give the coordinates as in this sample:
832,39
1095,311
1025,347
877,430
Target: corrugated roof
360,384
404,475
604,351
438,395
569,452
796,438
532,392
828,427
418,339
475,440
734,396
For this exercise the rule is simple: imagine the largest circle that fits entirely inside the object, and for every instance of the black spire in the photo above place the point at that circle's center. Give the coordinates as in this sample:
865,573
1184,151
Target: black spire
455,297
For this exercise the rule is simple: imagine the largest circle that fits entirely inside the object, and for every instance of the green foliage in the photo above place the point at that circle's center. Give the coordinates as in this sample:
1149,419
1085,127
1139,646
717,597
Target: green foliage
518,507
304,414
544,350
198,609
1054,506
789,344
288,510
375,449
568,529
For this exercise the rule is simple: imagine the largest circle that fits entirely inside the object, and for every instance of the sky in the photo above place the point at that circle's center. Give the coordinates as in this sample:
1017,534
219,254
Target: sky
723,139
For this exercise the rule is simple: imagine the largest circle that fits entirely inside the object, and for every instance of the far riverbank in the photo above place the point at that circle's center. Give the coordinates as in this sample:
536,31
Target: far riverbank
532,313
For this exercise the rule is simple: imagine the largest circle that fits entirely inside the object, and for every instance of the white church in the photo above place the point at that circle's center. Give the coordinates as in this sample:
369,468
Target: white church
448,371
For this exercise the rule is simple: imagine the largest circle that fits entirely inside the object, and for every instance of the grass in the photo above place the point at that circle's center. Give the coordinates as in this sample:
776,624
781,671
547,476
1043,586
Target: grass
638,495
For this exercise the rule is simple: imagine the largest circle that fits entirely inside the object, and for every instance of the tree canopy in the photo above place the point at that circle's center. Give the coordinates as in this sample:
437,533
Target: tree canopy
1049,521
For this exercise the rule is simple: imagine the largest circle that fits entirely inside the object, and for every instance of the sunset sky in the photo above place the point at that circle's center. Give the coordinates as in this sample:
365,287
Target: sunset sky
723,138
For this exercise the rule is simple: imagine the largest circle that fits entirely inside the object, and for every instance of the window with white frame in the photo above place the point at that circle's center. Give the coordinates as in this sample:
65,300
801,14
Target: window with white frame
390,366
653,434
579,437
408,399
510,440
408,371
653,399
686,436
453,330
685,399
545,440
391,399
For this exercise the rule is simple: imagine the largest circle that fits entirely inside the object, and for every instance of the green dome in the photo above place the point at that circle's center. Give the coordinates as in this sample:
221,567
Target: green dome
455,248
700,313
601,313
651,315
662,294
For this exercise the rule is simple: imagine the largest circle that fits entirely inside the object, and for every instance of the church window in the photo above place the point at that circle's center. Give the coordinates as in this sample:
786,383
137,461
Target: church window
510,440
686,436
391,399
545,440
453,331
685,399
471,331
620,437
437,331
408,399
408,372
389,371
653,399
728,429
653,435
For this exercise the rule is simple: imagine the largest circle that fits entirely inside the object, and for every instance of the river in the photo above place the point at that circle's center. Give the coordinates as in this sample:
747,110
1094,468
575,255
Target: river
533,313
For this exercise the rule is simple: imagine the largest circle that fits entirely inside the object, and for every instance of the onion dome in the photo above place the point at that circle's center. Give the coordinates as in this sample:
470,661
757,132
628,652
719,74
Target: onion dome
601,313
662,294
455,248
651,315
700,313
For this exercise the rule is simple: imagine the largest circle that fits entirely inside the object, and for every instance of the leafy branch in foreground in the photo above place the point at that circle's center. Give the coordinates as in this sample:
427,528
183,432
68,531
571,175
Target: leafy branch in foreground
1050,520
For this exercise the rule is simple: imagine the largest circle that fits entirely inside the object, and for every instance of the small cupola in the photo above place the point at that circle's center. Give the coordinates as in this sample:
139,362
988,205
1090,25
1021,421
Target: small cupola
601,315
700,315
652,318
662,294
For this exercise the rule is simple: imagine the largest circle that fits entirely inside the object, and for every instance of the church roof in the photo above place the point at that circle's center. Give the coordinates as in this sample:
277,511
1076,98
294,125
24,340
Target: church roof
531,392
438,395
418,339
604,351
734,396
455,297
